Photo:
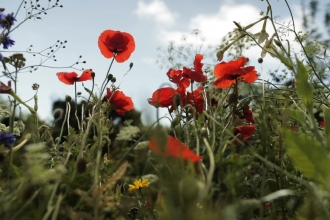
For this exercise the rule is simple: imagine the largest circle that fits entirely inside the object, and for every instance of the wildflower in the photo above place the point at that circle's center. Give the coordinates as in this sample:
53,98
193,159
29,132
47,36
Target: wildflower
228,73
163,97
71,78
248,114
245,132
196,99
7,139
138,184
116,43
176,76
6,41
121,102
196,74
7,21
4,88
174,148
2,16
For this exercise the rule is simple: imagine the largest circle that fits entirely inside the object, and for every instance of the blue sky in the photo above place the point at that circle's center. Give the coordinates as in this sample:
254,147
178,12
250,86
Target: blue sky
152,23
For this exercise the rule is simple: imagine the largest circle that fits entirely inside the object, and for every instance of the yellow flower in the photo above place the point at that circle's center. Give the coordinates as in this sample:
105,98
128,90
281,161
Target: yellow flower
139,183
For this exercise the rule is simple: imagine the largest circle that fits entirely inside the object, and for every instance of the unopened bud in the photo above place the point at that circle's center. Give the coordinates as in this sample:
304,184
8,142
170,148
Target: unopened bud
278,43
57,113
68,98
220,55
110,76
238,26
113,80
130,66
81,165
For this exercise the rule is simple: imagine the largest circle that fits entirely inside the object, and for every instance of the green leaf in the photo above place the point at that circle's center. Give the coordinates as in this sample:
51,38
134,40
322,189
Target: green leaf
327,126
304,89
308,156
17,170
284,60
296,115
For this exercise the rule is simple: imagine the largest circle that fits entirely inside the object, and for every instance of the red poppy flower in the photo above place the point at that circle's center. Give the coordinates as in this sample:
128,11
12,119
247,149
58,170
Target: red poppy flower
116,43
245,132
248,114
176,76
196,74
196,99
4,88
163,97
294,128
322,123
228,73
121,102
70,78
174,148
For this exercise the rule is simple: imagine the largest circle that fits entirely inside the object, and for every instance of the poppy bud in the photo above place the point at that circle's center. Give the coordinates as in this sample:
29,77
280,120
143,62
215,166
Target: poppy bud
81,165
110,76
57,113
260,60
204,132
175,121
278,43
62,189
68,98
220,55
2,158
78,93
238,26
177,100
130,66
113,80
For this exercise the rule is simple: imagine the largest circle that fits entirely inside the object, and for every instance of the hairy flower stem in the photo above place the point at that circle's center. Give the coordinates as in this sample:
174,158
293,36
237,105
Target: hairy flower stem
235,100
76,107
106,80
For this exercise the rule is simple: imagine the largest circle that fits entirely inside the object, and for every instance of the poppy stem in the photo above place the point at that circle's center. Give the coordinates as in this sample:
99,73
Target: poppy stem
76,104
235,99
106,80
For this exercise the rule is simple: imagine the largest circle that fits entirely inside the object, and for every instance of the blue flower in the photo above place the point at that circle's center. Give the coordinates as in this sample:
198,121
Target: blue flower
7,139
7,21
7,42
2,16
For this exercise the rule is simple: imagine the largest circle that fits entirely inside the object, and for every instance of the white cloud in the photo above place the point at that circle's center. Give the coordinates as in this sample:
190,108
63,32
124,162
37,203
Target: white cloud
157,11
148,60
214,26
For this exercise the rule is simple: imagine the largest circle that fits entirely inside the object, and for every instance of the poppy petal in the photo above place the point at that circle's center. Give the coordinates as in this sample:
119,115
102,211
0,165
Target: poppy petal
197,63
224,83
67,78
121,102
113,42
250,75
163,97
86,75
174,148
223,68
